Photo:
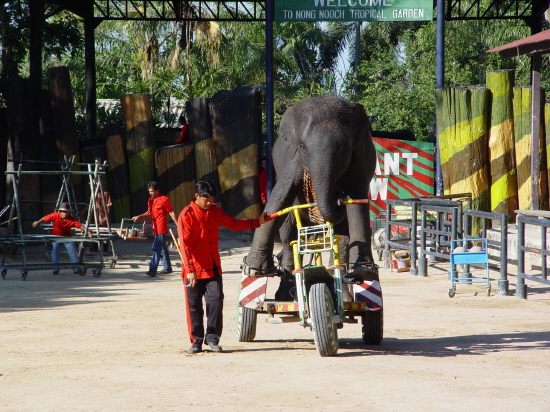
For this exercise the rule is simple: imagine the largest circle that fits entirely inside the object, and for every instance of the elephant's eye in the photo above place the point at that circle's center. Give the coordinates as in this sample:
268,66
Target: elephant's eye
302,146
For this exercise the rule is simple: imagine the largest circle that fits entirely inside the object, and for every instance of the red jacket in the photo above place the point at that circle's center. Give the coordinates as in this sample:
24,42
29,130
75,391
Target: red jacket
198,234
62,227
159,207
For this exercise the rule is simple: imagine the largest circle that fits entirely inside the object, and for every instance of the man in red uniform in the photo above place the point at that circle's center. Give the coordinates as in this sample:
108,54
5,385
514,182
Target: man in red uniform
184,132
262,180
158,208
198,228
63,222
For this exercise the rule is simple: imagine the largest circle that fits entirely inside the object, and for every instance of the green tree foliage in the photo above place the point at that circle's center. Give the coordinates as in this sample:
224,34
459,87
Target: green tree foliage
396,77
62,36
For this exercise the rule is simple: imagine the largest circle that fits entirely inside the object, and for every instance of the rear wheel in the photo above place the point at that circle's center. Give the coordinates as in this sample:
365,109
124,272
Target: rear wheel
321,308
373,327
246,331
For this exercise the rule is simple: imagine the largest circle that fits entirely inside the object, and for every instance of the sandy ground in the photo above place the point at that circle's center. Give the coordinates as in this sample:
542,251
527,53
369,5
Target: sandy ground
118,343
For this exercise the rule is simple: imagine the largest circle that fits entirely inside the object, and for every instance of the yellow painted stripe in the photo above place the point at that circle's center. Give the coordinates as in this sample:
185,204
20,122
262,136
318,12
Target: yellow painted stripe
451,142
497,135
141,168
476,180
503,188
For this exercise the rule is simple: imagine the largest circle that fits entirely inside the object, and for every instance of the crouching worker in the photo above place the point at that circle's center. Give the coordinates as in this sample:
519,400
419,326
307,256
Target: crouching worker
198,227
63,222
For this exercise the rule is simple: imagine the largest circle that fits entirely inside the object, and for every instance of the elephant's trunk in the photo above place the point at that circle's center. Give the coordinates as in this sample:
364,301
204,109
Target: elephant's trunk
327,198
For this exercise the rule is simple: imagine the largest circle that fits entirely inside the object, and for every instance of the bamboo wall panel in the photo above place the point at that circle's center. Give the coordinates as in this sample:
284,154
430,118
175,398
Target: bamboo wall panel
118,178
236,127
463,119
200,129
522,132
22,144
504,191
61,95
176,174
140,148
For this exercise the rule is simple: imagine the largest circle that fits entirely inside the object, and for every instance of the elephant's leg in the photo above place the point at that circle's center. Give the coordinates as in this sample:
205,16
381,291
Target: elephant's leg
361,262
260,257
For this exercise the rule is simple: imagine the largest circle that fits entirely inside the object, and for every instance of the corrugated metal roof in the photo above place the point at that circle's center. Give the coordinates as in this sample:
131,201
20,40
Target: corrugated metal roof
536,44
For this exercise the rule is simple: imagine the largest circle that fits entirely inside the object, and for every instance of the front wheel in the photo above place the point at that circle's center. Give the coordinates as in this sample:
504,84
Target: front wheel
246,331
373,327
321,309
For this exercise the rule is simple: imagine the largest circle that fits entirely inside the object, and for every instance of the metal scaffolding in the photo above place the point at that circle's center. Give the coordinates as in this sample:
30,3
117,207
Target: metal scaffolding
16,239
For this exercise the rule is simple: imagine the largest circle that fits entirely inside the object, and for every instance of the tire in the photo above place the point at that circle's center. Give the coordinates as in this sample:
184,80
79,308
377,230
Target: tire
452,292
4,271
321,308
96,274
246,331
373,327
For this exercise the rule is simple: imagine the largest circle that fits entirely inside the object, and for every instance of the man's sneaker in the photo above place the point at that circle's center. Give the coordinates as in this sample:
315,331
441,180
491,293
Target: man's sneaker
149,273
55,272
214,346
194,349
166,272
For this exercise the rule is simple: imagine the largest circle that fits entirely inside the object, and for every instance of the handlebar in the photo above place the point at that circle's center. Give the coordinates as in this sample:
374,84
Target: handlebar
272,216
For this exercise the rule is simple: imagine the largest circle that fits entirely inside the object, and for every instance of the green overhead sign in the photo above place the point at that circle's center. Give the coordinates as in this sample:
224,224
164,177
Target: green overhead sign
353,10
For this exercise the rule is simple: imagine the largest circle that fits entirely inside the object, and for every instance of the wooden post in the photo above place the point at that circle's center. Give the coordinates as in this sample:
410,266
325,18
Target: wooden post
117,175
22,145
523,123
462,115
176,174
140,148
61,94
236,128
504,191
200,130
50,184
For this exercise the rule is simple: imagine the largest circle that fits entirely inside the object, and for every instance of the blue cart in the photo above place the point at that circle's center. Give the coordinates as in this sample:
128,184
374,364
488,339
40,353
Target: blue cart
461,256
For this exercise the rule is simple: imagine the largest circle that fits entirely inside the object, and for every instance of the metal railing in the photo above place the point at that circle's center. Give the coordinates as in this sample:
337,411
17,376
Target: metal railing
542,221
501,244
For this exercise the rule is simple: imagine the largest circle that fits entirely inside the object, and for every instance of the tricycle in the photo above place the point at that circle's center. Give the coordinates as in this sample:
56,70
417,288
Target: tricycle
325,297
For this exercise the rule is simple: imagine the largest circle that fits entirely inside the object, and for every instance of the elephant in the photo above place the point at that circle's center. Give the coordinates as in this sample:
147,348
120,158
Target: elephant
328,139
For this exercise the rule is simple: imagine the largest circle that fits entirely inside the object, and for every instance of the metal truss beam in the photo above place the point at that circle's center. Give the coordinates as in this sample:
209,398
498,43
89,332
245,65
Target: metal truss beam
493,10
178,10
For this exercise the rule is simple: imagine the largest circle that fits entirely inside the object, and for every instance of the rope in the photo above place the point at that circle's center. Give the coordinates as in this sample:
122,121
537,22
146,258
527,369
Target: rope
309,193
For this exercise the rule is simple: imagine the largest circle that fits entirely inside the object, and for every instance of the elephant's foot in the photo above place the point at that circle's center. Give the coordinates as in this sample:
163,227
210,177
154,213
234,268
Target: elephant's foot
363,272
256,272
287,287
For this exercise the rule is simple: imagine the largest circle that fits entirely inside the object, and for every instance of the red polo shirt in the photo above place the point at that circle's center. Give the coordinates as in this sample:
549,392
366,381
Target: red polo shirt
198,231
62,227
159,207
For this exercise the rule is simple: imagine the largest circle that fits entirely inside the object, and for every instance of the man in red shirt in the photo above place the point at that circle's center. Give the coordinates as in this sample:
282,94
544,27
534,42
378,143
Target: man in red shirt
184,132
198,228
63,222
158,208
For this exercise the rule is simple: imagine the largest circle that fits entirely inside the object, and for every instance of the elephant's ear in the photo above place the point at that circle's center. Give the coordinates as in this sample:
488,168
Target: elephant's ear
287,127
363,127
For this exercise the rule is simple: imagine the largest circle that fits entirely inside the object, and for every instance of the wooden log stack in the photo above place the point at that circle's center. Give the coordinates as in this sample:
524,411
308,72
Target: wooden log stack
463,119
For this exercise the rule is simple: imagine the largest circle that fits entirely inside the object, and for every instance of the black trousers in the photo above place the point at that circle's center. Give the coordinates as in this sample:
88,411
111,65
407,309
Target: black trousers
212,291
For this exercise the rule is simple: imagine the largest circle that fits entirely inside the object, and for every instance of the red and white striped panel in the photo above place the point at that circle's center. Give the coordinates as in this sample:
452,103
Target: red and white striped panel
369,292
252,294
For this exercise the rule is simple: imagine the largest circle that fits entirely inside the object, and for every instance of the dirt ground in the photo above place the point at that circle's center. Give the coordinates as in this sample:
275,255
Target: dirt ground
117,343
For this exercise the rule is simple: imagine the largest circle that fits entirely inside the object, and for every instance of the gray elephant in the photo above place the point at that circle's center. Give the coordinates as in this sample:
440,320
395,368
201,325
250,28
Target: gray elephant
328,140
